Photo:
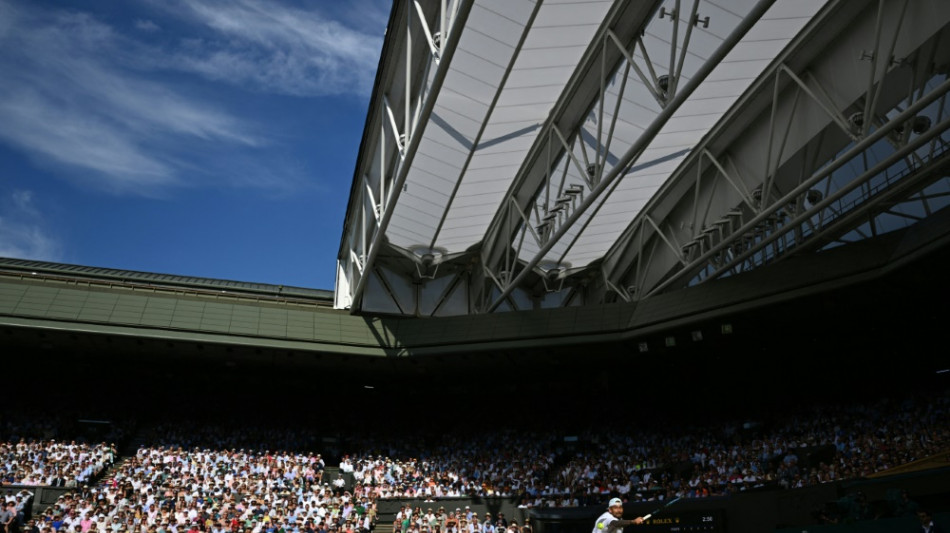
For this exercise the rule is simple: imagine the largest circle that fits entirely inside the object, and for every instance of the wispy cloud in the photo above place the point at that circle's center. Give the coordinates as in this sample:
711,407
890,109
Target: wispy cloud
69,98
22,230
127,105
146,25
275,48
23,202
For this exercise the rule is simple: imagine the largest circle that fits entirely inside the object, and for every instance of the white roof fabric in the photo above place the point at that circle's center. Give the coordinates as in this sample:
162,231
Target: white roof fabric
471,151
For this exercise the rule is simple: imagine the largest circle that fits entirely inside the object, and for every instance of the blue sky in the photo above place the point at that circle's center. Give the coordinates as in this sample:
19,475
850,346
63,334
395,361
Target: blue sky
211,138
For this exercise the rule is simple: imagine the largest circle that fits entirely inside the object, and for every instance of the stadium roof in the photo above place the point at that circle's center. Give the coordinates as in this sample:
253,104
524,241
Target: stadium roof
523,155
629,171
873,296
153,280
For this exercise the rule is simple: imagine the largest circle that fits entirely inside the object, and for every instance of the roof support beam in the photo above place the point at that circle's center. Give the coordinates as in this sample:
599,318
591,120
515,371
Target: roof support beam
542,161
841,218
855,151
806,63
634,152
411,144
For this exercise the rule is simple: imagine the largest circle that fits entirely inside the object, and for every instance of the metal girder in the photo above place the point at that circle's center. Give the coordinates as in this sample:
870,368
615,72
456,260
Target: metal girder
763,183
841,217
566,115
715,174
799,128
631,155
771,235
405,81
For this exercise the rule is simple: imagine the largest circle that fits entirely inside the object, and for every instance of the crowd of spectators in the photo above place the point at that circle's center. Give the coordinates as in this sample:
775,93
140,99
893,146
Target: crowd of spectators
37,424
52,463
827,444
500,463
175,488
16,507
56,450
228,479
414,520
190,434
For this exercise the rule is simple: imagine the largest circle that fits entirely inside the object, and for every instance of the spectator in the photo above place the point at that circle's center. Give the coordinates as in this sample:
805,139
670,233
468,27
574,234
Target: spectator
8,517
927,523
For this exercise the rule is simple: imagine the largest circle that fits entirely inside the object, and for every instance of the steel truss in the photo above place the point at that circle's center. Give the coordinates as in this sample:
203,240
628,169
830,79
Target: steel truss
567,178
412,76
804,160
809,190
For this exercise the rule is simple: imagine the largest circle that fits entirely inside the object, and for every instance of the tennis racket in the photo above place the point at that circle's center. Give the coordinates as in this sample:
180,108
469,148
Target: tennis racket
664,506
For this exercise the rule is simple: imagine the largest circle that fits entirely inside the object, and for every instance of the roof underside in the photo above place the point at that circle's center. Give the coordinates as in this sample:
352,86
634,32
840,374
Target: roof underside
485,122
525,144
472,152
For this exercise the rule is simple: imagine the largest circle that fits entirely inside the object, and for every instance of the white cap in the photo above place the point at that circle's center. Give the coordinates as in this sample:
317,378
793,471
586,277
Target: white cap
614,501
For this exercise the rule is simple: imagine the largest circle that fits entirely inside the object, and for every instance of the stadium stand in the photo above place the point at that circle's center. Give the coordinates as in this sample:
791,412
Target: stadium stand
193,476
749,324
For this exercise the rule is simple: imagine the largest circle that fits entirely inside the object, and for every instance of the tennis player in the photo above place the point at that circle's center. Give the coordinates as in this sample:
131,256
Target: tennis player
610,522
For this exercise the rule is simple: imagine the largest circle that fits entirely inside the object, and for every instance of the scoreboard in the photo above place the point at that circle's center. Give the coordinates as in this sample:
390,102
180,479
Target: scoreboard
673,520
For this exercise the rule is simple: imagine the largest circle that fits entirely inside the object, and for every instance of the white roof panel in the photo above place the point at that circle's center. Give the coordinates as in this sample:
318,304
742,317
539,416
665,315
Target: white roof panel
692,120
471,152
554,45
502,20
485,49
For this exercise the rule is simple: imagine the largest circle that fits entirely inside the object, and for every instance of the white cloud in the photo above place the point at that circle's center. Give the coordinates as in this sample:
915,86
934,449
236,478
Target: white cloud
127,108
27,241
275,48
147,26
67,100
22,230
23,202
79,138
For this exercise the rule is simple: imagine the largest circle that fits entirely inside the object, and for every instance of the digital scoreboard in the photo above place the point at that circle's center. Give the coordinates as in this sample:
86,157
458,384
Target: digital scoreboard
684,521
